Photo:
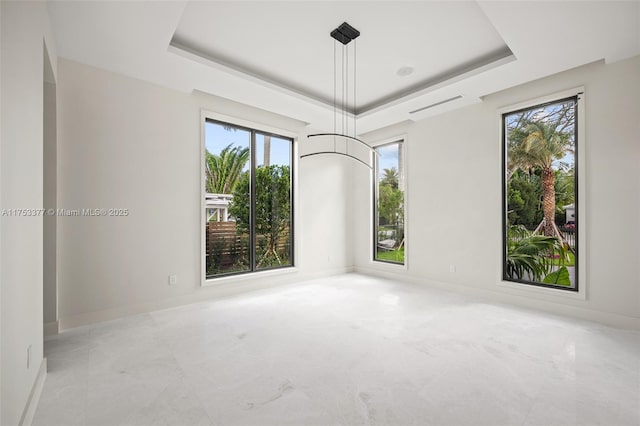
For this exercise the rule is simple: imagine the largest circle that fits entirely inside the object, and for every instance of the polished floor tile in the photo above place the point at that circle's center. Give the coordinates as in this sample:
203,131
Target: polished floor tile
347,350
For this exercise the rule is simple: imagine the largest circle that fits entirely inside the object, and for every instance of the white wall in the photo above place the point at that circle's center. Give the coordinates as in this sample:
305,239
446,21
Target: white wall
50,169
454,191
125,143
1,205
25,27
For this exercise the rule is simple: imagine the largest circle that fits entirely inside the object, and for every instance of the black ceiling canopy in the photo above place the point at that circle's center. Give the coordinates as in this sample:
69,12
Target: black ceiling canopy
345,33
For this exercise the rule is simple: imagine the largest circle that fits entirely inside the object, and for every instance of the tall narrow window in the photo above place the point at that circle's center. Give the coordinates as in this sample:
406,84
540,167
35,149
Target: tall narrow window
248,200
540,203
389,215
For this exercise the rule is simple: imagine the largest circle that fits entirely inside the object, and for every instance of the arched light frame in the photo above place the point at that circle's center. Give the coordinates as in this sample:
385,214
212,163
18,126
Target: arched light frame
372,151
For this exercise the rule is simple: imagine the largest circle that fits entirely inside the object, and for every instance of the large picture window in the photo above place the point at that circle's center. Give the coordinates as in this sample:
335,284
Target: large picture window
248,200
540,188
389,217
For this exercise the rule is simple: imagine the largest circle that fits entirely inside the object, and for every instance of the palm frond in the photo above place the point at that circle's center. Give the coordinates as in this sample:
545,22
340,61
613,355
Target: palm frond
224,169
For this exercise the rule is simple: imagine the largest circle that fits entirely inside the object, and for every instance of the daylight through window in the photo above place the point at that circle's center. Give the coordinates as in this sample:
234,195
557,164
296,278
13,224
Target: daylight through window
248,200
540,215
389,218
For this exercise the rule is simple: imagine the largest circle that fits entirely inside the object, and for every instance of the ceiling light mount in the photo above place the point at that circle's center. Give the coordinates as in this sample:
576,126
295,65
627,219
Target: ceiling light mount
345,33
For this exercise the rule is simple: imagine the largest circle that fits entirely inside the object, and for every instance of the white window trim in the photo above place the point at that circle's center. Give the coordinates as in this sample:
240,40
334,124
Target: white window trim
207,114
378,264
581,294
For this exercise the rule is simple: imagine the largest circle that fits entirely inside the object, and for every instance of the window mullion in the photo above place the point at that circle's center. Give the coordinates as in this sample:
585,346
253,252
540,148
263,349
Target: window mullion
375,205
252,198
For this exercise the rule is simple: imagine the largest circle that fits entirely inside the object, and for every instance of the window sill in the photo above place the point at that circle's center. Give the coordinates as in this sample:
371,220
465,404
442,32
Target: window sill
548,291
249,276
381,264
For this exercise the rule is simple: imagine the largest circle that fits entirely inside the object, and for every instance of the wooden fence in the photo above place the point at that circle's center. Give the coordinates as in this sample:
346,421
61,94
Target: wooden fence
225,246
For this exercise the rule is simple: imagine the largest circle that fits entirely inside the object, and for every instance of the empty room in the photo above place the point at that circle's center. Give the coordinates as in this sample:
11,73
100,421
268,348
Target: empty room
320,213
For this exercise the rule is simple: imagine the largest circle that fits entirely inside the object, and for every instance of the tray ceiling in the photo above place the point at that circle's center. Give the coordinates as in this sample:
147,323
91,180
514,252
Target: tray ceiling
288,44
278,56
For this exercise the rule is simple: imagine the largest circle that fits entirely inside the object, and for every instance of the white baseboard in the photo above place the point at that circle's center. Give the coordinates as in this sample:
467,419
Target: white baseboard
51,328
237,288
223,290
34,396
557,308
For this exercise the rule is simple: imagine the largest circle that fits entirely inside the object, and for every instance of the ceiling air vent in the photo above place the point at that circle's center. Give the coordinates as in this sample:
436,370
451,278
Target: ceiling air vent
435,105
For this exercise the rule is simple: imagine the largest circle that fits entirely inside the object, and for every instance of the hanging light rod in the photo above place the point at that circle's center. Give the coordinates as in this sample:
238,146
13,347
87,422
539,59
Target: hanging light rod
342,136
336,153
344,34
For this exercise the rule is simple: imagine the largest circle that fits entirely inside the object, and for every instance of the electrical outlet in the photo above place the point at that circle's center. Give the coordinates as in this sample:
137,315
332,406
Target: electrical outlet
28,356
173,279
452,268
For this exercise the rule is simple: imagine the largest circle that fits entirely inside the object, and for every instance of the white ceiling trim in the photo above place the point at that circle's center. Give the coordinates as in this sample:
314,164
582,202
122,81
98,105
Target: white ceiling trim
201,58
495,59
132,38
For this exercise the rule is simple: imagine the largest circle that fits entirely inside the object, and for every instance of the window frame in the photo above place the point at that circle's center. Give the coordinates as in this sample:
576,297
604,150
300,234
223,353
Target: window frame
579,292
255,129
402,140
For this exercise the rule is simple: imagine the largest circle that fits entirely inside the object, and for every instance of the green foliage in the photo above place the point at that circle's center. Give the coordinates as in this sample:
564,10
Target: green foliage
531,256
570,260
558,277
240,205
537,144
523,199
524,195
396,256
215,258
565,190
390,178
390,201
273,207
223,171
539,185
391,204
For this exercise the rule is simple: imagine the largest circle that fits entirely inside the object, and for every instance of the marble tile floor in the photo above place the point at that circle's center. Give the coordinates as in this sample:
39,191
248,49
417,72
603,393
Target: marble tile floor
346,350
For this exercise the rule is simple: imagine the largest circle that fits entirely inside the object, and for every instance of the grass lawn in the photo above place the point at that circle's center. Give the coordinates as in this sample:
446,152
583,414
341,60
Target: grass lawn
391,255
570,262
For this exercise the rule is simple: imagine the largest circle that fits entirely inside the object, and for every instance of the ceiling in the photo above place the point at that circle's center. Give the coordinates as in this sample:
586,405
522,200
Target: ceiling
288,43
278,56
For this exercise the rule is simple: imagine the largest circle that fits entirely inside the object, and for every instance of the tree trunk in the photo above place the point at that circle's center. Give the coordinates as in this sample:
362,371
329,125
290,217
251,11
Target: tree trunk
549,200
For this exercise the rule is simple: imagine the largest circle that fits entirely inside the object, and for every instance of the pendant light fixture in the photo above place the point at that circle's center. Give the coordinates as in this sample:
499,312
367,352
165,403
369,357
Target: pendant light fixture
343,34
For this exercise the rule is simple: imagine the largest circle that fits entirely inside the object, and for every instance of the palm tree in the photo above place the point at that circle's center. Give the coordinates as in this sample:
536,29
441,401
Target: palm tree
223,170
532,257
537,145
390,178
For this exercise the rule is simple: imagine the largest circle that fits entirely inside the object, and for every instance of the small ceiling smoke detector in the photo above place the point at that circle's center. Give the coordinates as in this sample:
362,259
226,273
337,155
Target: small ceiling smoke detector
404,71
